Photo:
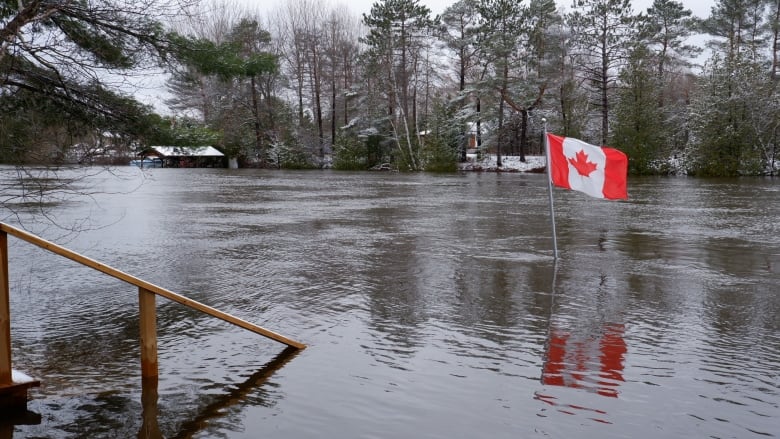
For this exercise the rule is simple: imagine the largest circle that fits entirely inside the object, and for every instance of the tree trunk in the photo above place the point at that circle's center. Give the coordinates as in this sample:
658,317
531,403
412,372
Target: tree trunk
504,86
391,87
256,114
523,133
462,73
317,79
500,136
775,42
333,109
346,88
564,113
604,92
404,76
479,123
415,126
300,79
461,87
204,99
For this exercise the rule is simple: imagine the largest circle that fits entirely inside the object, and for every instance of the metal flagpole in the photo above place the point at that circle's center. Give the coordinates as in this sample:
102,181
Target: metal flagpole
549,187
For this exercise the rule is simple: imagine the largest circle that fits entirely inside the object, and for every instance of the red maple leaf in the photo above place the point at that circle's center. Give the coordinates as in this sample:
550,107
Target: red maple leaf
582,165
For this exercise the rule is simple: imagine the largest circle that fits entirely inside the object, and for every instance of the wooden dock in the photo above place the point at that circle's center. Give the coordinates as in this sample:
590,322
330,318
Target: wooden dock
13,396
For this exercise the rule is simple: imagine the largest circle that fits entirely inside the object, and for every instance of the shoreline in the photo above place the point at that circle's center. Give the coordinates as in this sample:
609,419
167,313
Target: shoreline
532,164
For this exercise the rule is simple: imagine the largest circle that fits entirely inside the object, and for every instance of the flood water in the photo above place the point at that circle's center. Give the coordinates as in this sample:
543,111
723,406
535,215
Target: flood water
430,304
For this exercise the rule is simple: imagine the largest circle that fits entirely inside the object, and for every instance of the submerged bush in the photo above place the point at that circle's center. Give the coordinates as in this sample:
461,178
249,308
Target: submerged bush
439,157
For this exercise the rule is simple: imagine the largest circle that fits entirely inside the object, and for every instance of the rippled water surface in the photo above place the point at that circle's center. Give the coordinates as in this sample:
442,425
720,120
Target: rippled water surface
430,305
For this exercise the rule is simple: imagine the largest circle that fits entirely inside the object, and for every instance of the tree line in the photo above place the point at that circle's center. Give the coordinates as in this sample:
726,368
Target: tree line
312,85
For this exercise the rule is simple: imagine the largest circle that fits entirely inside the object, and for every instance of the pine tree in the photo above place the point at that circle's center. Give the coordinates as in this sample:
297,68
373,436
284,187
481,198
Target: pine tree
638,128
665,29
459,32
80,56
734,112
604,32
503,23
398,32
227,77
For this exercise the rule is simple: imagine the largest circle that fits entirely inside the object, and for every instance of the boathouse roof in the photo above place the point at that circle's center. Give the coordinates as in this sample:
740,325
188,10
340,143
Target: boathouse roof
185,151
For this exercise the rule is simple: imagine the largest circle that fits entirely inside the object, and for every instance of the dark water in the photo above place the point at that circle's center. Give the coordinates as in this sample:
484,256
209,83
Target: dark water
430,304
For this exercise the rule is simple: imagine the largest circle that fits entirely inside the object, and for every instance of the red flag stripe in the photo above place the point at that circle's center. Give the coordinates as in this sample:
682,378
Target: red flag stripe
615,186
559,168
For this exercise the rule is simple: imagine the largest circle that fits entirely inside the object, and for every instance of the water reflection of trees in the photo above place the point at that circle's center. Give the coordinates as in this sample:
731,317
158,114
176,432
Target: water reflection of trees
396,307
443,267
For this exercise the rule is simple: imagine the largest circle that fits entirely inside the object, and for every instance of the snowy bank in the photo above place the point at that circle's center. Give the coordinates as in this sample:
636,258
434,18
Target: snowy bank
508,163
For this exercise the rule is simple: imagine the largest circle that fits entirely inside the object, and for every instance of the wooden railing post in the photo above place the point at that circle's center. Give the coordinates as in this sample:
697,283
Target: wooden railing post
5,314
148,347
150,427
148,321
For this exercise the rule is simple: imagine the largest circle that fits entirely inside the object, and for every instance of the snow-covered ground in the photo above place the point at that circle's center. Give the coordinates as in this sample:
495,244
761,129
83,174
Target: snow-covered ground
508,163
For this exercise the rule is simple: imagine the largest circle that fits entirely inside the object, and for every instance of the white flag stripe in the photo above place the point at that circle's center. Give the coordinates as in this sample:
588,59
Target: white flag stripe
593,184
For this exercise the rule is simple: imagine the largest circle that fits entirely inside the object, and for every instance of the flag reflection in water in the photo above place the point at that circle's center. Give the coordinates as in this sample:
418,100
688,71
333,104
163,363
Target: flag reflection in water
590,362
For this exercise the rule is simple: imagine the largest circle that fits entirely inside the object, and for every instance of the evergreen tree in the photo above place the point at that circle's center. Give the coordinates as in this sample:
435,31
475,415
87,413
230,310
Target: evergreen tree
543,45
75,59
604,32
739,24
665,29
573,109
226,77
444,138
503,23
774,27
459,32
638,128
398,30
733,134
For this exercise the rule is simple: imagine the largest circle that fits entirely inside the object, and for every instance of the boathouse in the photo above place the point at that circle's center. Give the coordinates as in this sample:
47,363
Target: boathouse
185,156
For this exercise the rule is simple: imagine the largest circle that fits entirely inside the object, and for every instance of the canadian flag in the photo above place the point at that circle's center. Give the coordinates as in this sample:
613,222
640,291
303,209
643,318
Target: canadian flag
600,172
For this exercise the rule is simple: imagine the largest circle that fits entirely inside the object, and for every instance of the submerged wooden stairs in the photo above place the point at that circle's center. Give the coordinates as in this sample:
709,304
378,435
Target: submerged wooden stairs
14,385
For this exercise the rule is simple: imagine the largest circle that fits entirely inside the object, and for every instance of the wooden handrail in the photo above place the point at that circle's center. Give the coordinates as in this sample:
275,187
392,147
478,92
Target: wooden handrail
146,300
